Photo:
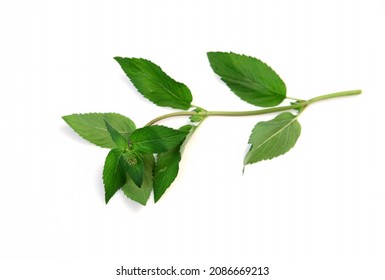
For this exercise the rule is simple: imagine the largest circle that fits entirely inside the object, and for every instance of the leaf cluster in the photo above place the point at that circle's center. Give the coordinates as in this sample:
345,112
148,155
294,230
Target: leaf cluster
140,159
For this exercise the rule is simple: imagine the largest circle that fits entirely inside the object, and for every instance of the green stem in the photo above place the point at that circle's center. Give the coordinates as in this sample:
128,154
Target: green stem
300,105
170,115
334,95
255,112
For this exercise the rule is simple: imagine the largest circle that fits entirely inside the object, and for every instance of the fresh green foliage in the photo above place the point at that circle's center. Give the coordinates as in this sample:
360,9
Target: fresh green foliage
141,194
113,173
249,78
147,158
92,127
116,137
134,165
167,166
156,139
166,170
154,84
273,138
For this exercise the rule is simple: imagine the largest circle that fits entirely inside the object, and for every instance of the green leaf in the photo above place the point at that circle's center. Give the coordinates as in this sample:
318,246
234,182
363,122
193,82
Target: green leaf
142,193
113,174
134,166
156,139
150,80
167,166
92,127
166,170
249,78
118,138
273,138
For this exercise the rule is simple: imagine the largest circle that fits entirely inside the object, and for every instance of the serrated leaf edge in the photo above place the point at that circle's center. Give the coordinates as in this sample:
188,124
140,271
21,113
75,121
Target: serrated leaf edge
188,104
269,138
246,78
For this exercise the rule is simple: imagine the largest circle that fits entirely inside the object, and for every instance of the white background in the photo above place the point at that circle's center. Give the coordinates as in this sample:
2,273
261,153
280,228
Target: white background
314,213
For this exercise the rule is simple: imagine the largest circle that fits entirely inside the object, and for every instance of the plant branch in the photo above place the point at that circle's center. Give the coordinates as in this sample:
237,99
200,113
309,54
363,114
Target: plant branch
301,104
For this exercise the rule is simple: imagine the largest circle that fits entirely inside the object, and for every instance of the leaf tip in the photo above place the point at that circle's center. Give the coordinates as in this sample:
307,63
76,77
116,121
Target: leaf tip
211,54
106,123
66,118
107,198
157,196
138,181
70,119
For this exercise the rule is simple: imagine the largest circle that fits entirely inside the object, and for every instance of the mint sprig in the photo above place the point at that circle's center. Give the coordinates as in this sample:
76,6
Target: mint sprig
146,159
